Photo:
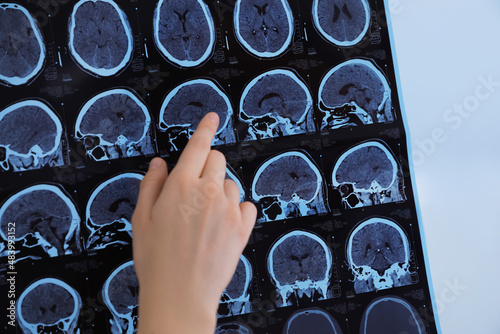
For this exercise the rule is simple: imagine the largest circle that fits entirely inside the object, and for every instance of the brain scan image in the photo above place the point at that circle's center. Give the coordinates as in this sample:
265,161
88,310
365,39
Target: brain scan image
354,93
120,294
22,50
341,22
184,31
263,27
289,185
47,222
391,314
368,174
312,320
49,305
109,211
378,255
275,104
115,124
100,37
300,266
231,175
184,107
233,328
236,297
31,137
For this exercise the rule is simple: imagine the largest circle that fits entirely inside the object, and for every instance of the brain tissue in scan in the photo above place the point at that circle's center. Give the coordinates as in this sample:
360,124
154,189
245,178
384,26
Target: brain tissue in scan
378,255
275,104
109,211
300,267
236,297
354,93
47,222
100,37
263,27
184,107
311,320
49,305
341,22
184,31
368,174
22,50
115,124
233,328
288,185
31,137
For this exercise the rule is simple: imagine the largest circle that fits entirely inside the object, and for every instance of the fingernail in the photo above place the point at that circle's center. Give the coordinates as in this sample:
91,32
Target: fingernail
214,117
155,163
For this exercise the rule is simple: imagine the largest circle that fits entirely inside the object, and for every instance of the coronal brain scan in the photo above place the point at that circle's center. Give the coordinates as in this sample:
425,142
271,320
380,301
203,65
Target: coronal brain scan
276,103
312,320
233,328
47,222
300,264
49,305
288,185
263,27
236,297
100,37
378,255
184,107
22,50
184,31
115,124
109,211
354,93
120,294
31,137
368,174
231,175
341,22
391,314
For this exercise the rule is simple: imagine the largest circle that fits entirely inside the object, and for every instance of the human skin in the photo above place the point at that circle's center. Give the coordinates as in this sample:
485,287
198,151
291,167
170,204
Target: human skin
189,231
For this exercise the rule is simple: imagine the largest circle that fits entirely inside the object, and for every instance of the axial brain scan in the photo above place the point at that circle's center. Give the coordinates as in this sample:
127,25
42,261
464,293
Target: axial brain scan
22,50
233,328
236,297
100,37
312,320
184,31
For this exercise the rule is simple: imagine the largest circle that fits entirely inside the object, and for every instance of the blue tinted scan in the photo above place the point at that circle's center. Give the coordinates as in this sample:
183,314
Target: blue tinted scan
263,27
288,185
341,22
184,31
231,175
49,305
300,266
233,328
47,222
22,48
235,299
100,37
115,124
368,174
378,255
275,104
311,320
184,107
31,137
354,93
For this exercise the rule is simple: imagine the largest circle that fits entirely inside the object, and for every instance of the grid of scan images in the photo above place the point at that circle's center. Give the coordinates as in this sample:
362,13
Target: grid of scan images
312,127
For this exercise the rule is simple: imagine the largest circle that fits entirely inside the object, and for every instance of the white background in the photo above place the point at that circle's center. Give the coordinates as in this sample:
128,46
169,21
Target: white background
443,48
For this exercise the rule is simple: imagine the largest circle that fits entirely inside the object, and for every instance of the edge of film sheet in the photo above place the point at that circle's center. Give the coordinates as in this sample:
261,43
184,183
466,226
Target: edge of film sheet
312,126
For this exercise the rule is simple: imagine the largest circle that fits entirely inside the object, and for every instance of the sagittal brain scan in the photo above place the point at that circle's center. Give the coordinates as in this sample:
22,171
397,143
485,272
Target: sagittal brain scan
231,175
184,31
263,27
341,22
354,93
49,305
100,37
275,104
312,320
115,124
120,294
47,222
109,211
378,255
368,174
31,137
391,314
288,185
236,297
233,328
22,50
184,107
300,266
